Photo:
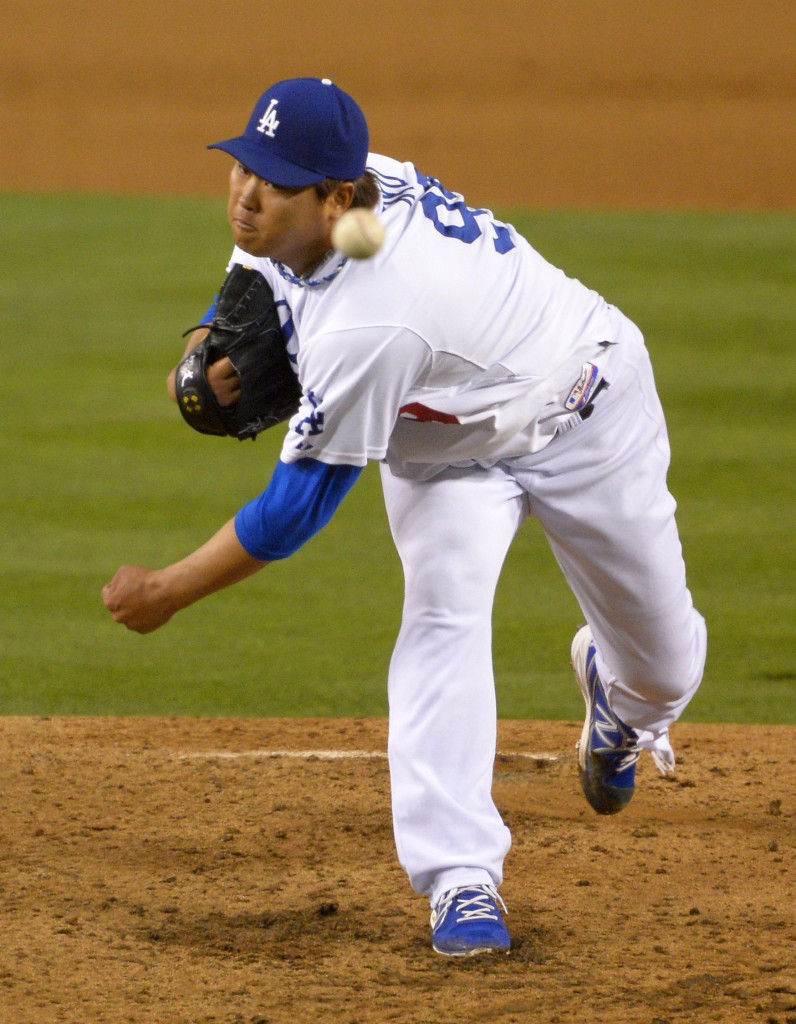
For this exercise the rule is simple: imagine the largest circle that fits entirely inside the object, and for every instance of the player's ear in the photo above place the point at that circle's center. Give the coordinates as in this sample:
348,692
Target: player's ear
342,197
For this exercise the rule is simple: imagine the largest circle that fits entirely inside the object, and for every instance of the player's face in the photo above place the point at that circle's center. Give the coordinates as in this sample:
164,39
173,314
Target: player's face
290,225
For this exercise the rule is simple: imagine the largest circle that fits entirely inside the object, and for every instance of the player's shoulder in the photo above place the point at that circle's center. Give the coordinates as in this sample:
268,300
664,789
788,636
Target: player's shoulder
398,181
390,168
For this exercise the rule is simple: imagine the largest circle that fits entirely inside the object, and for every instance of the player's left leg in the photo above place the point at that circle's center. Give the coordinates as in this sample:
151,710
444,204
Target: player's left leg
600,493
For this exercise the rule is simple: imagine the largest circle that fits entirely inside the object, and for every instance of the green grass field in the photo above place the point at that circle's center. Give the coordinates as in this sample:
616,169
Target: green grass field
98,469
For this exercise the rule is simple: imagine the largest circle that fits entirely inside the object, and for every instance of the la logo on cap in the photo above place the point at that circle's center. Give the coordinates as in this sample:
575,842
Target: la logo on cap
269,122
301,131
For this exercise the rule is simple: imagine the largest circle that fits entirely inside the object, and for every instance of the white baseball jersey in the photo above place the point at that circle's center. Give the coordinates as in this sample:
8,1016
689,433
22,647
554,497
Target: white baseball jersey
457,343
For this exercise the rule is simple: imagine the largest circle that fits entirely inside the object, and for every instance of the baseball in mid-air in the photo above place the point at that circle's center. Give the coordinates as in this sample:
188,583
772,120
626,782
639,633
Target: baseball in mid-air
358,233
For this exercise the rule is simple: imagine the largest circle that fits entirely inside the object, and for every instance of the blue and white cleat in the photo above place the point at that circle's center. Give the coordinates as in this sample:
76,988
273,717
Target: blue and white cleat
608,749
467,921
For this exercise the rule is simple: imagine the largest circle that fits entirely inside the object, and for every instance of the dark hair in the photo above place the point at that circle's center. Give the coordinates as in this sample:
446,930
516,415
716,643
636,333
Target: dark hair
366,190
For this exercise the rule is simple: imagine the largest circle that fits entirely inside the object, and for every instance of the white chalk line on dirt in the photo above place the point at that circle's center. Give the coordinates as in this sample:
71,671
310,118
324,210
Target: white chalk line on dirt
334,755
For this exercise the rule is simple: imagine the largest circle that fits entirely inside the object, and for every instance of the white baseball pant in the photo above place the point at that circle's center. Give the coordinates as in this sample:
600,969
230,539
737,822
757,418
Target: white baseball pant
599,491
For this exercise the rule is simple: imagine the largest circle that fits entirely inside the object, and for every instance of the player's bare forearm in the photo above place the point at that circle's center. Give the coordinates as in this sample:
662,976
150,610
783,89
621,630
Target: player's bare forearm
145,599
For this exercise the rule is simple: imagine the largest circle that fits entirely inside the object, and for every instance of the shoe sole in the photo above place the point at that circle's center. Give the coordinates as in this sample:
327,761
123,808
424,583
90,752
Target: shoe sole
472,952
578,653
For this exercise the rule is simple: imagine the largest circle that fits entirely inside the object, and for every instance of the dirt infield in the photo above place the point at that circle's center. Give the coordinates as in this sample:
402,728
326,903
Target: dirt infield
200,871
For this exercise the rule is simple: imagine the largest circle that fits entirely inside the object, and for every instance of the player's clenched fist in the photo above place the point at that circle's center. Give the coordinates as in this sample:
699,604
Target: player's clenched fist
135,599
145,599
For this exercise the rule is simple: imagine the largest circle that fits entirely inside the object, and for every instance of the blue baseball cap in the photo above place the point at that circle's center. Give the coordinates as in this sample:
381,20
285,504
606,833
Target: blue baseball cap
301,131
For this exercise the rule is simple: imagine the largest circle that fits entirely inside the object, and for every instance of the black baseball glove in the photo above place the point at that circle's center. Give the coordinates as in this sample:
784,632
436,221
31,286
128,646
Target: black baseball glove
247,331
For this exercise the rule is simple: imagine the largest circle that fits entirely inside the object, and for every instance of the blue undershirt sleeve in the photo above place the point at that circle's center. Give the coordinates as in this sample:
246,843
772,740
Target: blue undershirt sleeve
300,499
208,317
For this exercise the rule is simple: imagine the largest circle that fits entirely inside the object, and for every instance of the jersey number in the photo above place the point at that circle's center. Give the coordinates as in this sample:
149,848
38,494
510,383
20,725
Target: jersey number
451,216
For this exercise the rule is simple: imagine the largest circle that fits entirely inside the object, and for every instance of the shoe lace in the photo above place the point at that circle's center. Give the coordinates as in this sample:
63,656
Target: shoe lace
480,907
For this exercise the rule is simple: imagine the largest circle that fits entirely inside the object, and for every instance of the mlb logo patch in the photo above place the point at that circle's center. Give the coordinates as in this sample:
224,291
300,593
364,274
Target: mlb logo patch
583,391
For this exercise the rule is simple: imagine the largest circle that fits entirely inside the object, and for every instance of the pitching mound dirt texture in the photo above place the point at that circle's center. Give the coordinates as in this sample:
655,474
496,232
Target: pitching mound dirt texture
243,872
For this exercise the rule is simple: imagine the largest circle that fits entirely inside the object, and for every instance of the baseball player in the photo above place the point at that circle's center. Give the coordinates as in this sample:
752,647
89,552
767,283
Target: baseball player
490,387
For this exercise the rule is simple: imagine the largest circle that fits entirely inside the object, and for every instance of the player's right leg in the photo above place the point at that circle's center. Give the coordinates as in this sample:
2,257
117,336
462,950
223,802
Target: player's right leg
452,534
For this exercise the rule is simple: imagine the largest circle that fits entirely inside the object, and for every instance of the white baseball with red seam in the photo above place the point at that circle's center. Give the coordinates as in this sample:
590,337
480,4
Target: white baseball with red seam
358,234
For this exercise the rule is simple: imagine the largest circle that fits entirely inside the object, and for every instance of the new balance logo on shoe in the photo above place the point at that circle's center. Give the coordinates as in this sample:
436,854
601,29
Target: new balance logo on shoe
608,749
